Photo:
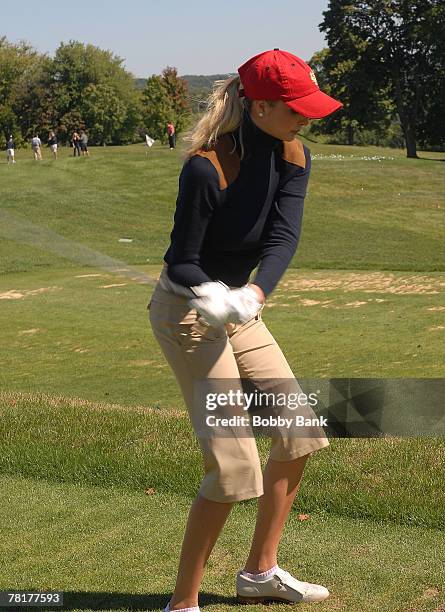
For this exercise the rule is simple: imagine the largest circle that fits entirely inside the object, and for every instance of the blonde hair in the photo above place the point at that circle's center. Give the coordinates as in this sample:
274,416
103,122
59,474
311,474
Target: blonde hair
223,115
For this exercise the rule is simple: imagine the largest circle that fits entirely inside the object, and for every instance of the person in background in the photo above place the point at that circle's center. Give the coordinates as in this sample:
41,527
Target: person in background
84,143
171,135
36,145
10,150
52,143
75,139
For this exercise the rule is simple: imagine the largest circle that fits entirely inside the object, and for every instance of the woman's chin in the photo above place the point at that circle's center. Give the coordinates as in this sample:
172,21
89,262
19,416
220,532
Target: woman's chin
291,136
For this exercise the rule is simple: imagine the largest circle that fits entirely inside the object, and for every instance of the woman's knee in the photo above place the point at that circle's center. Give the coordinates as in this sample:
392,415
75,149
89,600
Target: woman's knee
230,477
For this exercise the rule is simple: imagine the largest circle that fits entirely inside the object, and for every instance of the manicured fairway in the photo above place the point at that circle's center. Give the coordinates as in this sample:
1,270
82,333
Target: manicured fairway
360,213
84,332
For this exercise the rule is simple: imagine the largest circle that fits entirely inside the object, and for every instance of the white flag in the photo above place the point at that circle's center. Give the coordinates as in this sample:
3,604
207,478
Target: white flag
148,141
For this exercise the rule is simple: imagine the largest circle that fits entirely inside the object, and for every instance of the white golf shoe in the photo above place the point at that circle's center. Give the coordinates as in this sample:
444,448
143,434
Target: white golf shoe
280,586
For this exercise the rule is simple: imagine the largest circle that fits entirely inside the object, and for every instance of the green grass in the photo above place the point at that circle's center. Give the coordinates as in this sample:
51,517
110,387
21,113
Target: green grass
387,215
76,441
83,332
117,550
91,415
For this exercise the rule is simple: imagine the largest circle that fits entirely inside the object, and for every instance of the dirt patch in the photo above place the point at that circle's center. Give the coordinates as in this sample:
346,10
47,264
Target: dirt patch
115,285
92,276
436,328
30,332
312,302
332,303
142,362
355,304
11,295
15,294
368,282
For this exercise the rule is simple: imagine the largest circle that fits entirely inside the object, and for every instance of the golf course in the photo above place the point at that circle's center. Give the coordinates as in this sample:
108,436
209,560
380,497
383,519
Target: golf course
98,459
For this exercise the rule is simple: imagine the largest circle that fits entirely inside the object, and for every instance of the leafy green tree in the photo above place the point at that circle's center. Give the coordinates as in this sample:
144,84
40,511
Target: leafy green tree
87,84
156,108
178,95
364,105
103,112
19,67
393,48
165,98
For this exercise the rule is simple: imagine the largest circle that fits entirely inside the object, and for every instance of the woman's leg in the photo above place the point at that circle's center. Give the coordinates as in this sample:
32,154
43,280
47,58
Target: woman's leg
259,357
205,521
233,470
281,483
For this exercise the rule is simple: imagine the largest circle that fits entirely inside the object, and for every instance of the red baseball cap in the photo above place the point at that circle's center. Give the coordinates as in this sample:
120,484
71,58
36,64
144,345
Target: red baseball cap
279,75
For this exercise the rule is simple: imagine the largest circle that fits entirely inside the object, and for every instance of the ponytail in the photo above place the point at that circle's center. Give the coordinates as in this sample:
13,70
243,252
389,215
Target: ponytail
223,115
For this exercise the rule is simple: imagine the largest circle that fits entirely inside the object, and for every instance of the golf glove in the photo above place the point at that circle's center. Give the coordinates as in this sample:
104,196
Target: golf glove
218,304
244,305
211,302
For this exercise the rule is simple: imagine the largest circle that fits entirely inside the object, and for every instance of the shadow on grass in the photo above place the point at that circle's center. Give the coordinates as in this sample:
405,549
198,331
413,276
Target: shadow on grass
111,601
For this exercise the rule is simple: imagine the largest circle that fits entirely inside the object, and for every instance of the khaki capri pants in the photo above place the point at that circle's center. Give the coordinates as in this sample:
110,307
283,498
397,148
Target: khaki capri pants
197,351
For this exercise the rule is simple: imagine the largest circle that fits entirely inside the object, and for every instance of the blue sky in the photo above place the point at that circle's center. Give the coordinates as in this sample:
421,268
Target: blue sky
195,36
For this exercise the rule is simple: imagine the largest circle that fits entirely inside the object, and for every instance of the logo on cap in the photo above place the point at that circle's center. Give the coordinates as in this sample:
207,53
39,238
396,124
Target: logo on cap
313,77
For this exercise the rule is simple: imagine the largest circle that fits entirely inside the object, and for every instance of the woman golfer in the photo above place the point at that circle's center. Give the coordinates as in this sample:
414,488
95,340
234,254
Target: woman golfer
239,207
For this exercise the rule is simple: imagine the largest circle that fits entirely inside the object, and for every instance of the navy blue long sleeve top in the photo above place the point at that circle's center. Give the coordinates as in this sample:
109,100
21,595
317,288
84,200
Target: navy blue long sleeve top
236,213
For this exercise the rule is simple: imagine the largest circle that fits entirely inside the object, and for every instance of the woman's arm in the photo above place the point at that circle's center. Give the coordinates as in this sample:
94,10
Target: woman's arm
285,223
197,198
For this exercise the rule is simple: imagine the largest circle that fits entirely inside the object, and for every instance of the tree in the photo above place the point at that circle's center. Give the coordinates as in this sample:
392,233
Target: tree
19,67
87,84
82,84
394,47
103,112
165,98
365,107
178,95
156,108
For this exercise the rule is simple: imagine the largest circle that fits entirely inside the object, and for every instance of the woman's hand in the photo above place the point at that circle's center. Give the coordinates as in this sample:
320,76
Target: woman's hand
260,293
218,304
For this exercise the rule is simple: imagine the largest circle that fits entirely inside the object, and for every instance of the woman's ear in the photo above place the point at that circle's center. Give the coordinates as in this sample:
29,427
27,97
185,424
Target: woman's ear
260,108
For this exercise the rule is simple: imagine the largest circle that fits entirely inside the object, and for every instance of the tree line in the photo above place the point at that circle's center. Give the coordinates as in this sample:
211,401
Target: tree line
84,87
385,61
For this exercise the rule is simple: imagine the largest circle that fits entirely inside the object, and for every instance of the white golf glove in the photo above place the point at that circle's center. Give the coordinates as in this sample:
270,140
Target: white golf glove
211,302
244,305
218,304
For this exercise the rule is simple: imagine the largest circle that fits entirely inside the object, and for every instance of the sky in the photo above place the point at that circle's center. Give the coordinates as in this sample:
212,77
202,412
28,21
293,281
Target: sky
194,36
